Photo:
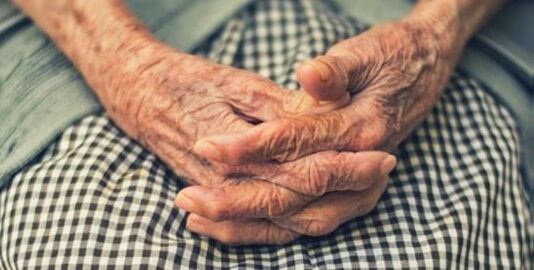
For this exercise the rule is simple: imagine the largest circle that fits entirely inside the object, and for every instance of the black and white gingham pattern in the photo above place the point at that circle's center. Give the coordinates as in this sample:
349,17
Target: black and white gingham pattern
96,199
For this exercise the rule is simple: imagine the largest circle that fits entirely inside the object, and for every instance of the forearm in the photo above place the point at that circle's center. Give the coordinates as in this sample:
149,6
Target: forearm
454,21
95,35
106,43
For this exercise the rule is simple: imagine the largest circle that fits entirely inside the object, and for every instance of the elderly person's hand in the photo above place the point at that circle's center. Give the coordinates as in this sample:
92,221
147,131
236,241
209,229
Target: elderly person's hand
168,100
392,74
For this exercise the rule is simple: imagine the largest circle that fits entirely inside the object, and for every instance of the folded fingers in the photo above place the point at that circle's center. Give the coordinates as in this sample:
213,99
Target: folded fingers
248,199
279,190
333,209
280,140
329,171
319,217
241,232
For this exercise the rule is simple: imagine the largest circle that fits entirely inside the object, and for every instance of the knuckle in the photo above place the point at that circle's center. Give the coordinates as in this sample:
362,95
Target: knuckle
332,171
298,136
325,126
343,172
282,143
276,205
375,135
367,134
279,202
338,130
317,182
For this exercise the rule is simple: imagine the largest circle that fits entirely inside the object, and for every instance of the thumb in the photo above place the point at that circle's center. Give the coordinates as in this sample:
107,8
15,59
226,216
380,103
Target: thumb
325,78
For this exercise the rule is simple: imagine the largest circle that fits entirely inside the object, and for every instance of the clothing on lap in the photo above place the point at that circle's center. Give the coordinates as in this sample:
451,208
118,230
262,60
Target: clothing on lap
96,198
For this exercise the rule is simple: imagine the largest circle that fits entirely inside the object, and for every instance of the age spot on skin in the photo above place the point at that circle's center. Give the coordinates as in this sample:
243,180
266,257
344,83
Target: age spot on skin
97,48
78,16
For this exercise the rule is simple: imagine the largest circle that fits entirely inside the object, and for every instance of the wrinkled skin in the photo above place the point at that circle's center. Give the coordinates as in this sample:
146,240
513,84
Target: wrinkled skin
296,173
168,107
392,83
393,75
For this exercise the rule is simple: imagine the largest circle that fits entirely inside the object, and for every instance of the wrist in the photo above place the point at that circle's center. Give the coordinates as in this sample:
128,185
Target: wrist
453,22
134,75
442,23
125,77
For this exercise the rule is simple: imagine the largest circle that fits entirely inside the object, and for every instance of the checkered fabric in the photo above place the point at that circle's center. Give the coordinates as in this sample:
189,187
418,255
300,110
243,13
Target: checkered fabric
96,199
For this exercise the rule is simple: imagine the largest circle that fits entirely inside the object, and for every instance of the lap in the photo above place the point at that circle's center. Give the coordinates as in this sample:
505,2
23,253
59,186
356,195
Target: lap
97,198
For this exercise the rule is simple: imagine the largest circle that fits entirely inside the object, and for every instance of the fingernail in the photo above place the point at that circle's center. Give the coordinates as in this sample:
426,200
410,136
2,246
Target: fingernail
207,149
388,164
325,72
185,202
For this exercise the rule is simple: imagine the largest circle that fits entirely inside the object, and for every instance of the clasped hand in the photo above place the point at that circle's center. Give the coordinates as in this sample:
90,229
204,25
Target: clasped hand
267,164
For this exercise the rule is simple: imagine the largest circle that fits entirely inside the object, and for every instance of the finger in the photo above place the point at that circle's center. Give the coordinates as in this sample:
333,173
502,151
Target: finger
280,140
353,128
325,78
243,199
333,209
344,70
241,232
291,138
325,171
264,100
261,199
173,145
